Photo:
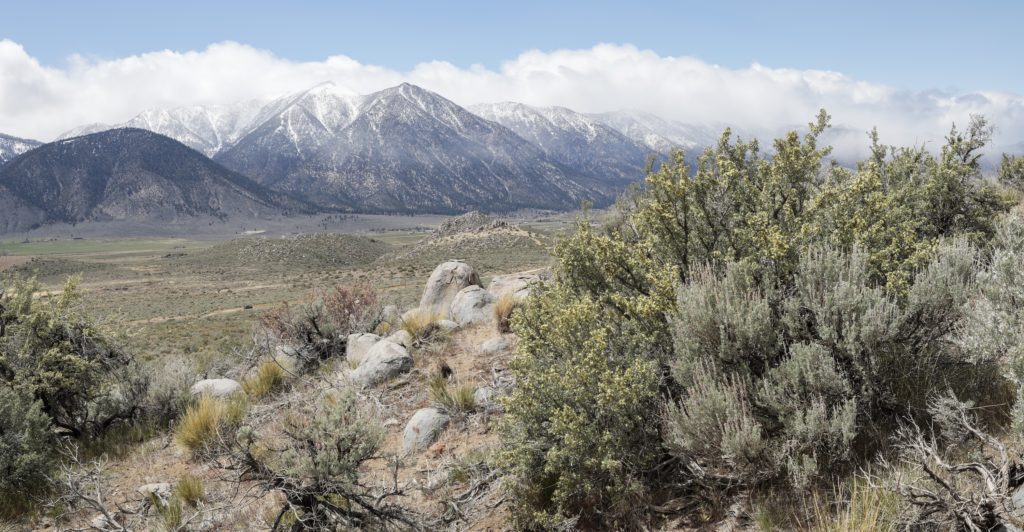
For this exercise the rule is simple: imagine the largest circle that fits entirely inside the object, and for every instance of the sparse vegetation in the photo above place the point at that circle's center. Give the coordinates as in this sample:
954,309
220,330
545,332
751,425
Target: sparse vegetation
315,464
318,329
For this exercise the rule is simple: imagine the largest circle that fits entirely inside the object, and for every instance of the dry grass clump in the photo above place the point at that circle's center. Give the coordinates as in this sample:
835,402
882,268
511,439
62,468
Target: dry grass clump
454,397
503,310
190,489
268,378
860,508
207,421
421,324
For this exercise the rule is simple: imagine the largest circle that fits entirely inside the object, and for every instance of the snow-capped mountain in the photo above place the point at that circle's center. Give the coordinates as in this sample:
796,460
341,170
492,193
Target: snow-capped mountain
410,150
659,134
573,139
401,149
207,129
11,147
290,132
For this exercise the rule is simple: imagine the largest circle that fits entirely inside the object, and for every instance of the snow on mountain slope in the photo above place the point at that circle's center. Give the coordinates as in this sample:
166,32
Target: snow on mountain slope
11,147
402,149
572,139
207,129
659,134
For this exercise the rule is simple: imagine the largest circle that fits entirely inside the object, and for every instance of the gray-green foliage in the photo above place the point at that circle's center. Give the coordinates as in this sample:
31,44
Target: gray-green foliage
73,365
779,315
26,453
314,458
994,329
781,385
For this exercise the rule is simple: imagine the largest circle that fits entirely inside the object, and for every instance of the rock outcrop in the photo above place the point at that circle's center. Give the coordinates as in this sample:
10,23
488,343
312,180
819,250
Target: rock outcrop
383,361
444,283
472,305
358,345
517,284
423,429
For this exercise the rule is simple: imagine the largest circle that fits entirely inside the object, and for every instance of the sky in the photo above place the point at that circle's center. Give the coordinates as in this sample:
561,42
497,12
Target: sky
908,67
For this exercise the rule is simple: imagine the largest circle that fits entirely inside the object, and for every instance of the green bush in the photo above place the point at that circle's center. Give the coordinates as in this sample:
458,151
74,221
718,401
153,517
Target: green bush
764,322
580,429
73,365
26,452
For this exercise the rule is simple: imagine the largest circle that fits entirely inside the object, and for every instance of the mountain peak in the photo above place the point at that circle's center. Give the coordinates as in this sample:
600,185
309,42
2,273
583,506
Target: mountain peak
330,88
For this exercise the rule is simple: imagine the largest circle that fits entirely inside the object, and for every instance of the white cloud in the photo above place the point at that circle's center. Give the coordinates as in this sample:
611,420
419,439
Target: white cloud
42,102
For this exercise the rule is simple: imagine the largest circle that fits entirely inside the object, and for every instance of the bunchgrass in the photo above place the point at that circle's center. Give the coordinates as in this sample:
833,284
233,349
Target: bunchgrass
190,489
207,421
503,310
421,324
453,397
268,377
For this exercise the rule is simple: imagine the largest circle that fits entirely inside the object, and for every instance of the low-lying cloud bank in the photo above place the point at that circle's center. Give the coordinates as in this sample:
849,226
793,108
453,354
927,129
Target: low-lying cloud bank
41,102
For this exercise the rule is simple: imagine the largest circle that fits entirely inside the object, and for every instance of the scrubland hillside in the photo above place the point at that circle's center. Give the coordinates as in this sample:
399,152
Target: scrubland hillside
763,342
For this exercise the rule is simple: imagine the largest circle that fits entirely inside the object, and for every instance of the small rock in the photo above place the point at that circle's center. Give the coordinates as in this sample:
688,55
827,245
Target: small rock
471,305
383,361
447,325
494,346
358,345
160,490
390,422
517,284
401,337
483,395
423,428
444,283
216,387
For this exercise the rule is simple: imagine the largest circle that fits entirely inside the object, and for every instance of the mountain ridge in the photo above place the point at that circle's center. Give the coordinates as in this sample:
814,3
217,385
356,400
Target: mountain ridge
126,174
404,149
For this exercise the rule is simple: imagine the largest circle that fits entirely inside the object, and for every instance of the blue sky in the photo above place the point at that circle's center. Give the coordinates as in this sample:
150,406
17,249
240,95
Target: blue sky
914,45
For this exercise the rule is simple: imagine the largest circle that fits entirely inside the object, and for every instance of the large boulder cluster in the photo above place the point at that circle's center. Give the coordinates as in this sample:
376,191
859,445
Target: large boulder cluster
454,297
